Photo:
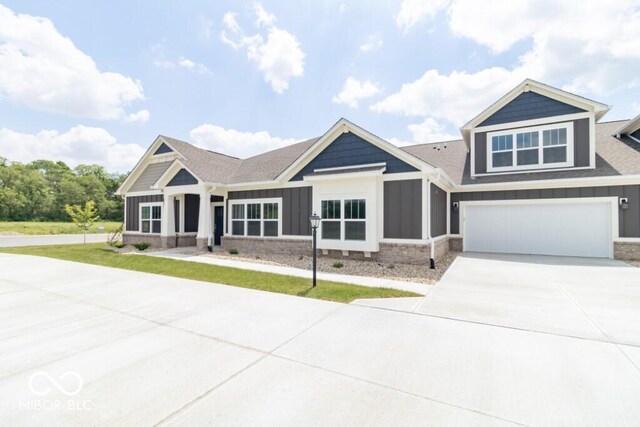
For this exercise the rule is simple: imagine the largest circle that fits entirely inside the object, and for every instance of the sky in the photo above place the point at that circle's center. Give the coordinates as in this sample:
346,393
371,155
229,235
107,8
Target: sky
97,82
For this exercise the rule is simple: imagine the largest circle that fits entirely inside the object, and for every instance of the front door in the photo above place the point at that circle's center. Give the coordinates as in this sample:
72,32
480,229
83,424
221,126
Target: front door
218,224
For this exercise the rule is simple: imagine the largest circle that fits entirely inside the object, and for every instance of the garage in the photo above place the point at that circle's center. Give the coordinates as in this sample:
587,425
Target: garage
565,227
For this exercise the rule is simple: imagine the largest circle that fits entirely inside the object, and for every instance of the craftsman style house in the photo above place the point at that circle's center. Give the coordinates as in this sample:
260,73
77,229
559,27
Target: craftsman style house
537,172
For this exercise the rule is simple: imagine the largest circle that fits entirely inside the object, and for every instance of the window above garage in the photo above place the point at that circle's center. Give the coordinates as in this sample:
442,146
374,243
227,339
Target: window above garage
540,147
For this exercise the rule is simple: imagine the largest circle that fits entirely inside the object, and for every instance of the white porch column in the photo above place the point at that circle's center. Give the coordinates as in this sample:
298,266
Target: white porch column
167,222
203,238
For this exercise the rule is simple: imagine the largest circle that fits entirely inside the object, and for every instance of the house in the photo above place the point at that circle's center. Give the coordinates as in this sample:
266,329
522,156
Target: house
537,172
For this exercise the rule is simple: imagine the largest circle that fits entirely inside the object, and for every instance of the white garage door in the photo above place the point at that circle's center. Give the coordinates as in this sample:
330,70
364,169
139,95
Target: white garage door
548,228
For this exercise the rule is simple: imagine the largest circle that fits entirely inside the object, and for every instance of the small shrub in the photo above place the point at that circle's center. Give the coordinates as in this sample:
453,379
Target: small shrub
338,264
118,245
141,246
233,251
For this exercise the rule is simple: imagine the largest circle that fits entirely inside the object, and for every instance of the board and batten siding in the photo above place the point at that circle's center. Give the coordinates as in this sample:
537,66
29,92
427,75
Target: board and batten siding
149,176
133,209
402,209
438,211
530,106
296,207
581,152
191,212
349,149
629,219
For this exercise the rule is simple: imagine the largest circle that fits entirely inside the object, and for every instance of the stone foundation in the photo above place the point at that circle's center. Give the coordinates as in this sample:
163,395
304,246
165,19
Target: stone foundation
626,250
455,244
401,253
157,241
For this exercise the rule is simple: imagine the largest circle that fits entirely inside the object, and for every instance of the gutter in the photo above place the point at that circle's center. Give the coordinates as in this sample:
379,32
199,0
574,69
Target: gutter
432,249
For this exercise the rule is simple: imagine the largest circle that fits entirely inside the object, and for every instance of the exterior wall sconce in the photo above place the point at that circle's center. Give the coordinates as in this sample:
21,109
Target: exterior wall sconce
624,203
456,206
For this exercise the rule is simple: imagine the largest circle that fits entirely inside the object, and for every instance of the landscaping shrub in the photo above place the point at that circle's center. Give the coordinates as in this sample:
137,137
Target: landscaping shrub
141,246
338,264
118,245
233,251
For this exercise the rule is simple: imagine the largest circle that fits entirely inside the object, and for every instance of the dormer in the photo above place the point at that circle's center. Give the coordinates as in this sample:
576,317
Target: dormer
533,128
630,129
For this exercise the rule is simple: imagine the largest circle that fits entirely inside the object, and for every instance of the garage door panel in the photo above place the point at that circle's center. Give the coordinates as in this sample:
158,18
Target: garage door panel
572,229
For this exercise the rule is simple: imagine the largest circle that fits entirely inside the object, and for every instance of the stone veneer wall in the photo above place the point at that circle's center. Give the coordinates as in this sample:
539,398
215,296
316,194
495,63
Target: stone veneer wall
157,241
626,250
455,244
404,253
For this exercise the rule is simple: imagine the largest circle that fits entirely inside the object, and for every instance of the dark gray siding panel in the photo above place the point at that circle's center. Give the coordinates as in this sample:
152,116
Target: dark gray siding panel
581,142
403,209
191,212
217,199
163,149
636,134
629,220
133,209
350,150
183,177
438,211
176,215
530,106
480,152
296,207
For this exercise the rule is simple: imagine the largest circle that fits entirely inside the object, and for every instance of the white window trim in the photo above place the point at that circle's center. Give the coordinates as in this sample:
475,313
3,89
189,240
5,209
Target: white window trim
261,202
540,165
151,205
342,220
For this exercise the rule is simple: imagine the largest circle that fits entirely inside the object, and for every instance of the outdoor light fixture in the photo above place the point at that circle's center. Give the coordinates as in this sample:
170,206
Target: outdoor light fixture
624,203
456,205
315,223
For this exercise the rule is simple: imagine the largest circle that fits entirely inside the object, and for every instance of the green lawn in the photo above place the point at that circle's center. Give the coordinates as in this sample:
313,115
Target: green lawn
32,227
100,254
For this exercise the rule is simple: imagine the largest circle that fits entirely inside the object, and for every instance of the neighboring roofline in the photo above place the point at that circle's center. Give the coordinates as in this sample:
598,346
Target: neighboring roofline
135,172
343,126
203,149
629,127
532,85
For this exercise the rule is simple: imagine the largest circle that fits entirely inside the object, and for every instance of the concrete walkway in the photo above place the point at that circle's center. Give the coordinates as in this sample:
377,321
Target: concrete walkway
50,239
88,345
372,282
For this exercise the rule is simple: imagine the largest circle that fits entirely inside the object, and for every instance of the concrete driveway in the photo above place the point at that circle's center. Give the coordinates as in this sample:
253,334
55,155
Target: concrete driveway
50,239
582,297
88,345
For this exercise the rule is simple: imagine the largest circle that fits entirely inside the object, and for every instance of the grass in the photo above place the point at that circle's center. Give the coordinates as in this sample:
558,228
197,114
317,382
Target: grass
100,254
33,227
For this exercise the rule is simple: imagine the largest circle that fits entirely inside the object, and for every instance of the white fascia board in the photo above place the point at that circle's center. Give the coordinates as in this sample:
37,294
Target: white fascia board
342,176
343,126
534,122
629,127
143,162
598,181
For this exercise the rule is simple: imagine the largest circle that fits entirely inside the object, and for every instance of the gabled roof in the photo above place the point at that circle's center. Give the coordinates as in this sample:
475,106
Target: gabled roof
629,126
531,85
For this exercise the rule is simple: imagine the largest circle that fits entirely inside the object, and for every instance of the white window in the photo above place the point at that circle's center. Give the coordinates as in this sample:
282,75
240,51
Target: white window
150,217
540,147
255,218
344,224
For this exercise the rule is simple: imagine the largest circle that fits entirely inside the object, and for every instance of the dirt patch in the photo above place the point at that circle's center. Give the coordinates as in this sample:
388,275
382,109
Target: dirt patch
634,263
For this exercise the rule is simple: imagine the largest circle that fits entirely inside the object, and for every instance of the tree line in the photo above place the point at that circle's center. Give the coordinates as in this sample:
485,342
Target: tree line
39,190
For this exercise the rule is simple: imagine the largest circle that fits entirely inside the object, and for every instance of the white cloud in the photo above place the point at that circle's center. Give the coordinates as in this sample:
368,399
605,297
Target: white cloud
426,132
193,66
279,57
160,61
373,42
42,69
342,8
236,143
413,11
141,116
354,90
80,144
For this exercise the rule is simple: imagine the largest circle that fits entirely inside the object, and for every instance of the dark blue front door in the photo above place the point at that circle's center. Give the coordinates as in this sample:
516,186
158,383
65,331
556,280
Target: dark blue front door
219,224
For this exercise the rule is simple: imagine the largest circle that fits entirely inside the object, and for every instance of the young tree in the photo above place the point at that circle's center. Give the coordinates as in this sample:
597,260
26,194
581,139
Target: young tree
83,216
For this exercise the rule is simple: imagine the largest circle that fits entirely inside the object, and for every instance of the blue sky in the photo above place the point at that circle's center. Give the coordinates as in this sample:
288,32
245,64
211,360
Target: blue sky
98,81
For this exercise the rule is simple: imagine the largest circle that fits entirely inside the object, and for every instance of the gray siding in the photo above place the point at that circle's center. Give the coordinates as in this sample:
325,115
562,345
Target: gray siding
403,209
133,210
481,152
581,152
636,134
438,211
163,148
350,150
182,177
629,220
191,212
530,106
176,215
149,176
296,207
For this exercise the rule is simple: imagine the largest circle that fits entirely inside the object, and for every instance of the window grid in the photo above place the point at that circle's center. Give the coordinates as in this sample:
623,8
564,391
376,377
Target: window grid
150,218
261,219
348,224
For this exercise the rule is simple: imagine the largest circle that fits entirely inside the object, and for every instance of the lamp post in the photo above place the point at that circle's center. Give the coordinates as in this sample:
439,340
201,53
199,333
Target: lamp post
315,223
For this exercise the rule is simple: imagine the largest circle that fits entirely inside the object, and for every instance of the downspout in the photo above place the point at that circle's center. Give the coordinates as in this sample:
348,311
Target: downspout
432,249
